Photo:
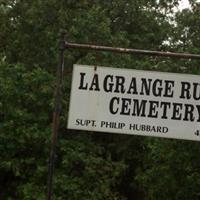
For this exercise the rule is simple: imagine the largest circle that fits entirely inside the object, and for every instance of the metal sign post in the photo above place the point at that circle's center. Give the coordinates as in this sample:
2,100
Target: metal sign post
59,76
56,115
131,51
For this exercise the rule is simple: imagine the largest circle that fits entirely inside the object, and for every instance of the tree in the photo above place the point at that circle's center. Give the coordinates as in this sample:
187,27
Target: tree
97,166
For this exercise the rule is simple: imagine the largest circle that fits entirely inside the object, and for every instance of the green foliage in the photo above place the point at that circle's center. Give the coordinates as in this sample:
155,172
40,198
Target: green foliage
26,99
96,166
86,171
171,167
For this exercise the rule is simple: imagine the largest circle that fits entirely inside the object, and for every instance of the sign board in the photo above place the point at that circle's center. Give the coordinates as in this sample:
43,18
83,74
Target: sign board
135,102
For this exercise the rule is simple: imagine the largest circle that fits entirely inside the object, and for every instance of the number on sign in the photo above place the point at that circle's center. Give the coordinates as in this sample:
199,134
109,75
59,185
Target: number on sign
197,133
